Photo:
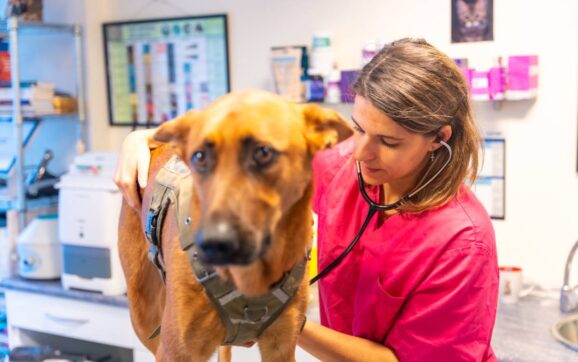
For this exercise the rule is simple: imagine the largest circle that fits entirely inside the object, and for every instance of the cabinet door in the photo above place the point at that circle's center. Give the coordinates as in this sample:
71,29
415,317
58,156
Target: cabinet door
71,318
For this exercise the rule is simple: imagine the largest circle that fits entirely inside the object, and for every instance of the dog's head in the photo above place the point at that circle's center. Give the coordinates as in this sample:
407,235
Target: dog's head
250,155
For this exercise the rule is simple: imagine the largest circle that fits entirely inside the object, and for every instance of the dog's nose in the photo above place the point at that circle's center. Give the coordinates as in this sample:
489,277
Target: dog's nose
219,242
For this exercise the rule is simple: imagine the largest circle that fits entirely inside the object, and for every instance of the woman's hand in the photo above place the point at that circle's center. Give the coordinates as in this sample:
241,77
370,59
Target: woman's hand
328,345
133,165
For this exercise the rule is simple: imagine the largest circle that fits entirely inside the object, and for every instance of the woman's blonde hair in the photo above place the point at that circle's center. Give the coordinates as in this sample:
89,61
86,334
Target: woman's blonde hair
422,90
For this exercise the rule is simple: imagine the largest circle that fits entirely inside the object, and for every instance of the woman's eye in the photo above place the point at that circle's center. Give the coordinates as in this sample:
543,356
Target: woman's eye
389,144
264,156
357,129
199,161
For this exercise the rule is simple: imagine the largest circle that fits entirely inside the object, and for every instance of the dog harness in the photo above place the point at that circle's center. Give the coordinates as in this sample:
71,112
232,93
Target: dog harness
244,318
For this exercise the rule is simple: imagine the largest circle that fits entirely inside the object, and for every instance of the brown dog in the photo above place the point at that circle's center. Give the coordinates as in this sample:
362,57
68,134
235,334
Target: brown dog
250,157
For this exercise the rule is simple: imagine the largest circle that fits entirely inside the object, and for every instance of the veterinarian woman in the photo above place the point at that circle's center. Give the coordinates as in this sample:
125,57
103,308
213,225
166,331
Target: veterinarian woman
422,283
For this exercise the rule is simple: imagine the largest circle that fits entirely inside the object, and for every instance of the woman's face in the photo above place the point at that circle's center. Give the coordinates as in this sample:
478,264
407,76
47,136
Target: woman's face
388,153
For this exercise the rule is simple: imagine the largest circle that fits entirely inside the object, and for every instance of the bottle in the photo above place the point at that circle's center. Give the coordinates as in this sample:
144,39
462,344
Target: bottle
370,49
303,84
322,55
315,90
333,90
303,77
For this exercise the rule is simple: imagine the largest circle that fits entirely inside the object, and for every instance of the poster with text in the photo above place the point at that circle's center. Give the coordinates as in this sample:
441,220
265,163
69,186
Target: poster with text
159,69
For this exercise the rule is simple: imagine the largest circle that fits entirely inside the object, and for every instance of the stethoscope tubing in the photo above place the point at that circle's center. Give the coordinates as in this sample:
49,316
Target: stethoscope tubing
373,208
339,259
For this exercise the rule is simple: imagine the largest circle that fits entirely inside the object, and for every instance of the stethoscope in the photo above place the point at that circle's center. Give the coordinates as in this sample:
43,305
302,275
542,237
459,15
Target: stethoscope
374,207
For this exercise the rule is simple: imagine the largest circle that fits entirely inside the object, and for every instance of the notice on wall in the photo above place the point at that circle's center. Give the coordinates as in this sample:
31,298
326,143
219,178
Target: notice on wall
159,69
490,187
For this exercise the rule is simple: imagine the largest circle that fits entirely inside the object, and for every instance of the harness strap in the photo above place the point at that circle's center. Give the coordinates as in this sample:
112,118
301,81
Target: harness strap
162,197
244,318
153,227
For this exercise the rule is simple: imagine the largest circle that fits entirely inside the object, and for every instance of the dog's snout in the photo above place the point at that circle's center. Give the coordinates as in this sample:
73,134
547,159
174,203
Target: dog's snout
219,242
219,248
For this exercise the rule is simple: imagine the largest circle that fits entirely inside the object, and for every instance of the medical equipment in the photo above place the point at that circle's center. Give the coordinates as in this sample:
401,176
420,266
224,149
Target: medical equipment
89,207
39,249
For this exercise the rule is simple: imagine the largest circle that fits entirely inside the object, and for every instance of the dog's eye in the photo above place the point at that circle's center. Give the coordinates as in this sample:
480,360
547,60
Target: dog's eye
199,161
264,156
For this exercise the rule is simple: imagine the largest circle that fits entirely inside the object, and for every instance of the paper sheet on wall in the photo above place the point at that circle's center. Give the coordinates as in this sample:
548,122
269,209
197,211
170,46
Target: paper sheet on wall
490,185
160,69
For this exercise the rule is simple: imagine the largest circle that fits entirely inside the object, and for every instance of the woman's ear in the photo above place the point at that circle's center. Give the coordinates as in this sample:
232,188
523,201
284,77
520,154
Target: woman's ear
444,134
324,127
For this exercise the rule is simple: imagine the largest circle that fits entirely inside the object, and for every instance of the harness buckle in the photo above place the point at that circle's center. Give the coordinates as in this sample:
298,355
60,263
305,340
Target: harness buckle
256,315
208,276
154,256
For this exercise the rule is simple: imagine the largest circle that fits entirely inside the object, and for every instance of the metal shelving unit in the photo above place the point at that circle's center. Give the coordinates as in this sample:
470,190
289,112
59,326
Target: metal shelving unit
12,29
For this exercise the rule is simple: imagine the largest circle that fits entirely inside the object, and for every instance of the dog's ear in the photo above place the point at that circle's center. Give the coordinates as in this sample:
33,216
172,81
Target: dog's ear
176,130
324,127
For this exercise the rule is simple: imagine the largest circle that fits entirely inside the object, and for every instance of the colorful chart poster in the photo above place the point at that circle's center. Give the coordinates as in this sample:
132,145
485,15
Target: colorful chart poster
158,69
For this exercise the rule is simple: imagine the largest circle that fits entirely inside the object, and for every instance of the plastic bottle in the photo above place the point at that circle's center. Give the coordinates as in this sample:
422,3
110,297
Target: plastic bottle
315,90
322,54
303,77
333,90
370,49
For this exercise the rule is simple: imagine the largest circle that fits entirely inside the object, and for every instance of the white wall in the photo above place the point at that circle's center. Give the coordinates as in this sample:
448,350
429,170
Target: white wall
542,184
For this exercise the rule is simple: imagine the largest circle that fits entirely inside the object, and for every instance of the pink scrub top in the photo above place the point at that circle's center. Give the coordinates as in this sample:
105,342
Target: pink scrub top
424,285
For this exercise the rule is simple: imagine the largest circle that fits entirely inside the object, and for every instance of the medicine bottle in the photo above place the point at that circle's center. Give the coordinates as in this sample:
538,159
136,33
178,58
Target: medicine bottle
315,90
333,89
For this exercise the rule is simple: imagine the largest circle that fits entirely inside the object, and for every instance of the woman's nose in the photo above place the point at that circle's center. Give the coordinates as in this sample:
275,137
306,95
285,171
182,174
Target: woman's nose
363,148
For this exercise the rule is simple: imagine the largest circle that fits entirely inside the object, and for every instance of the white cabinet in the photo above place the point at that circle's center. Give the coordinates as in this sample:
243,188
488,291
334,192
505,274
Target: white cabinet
46,308
81,320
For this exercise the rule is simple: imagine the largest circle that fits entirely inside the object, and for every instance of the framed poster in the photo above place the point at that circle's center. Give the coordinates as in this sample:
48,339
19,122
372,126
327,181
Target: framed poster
472,20
159,68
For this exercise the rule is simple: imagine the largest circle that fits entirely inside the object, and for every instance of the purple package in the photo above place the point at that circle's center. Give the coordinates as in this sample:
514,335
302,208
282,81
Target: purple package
496,83
467,73
522,72
348,77
462,63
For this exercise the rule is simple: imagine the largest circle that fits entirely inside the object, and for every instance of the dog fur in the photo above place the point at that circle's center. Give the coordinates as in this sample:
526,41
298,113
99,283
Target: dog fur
269,201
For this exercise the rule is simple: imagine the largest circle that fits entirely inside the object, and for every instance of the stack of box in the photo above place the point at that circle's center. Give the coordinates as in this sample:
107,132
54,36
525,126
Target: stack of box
64,104
522,78
518,81
5,74
35,97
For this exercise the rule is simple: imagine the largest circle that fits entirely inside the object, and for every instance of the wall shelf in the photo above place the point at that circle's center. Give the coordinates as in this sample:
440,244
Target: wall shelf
4,116
33,27
11,30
